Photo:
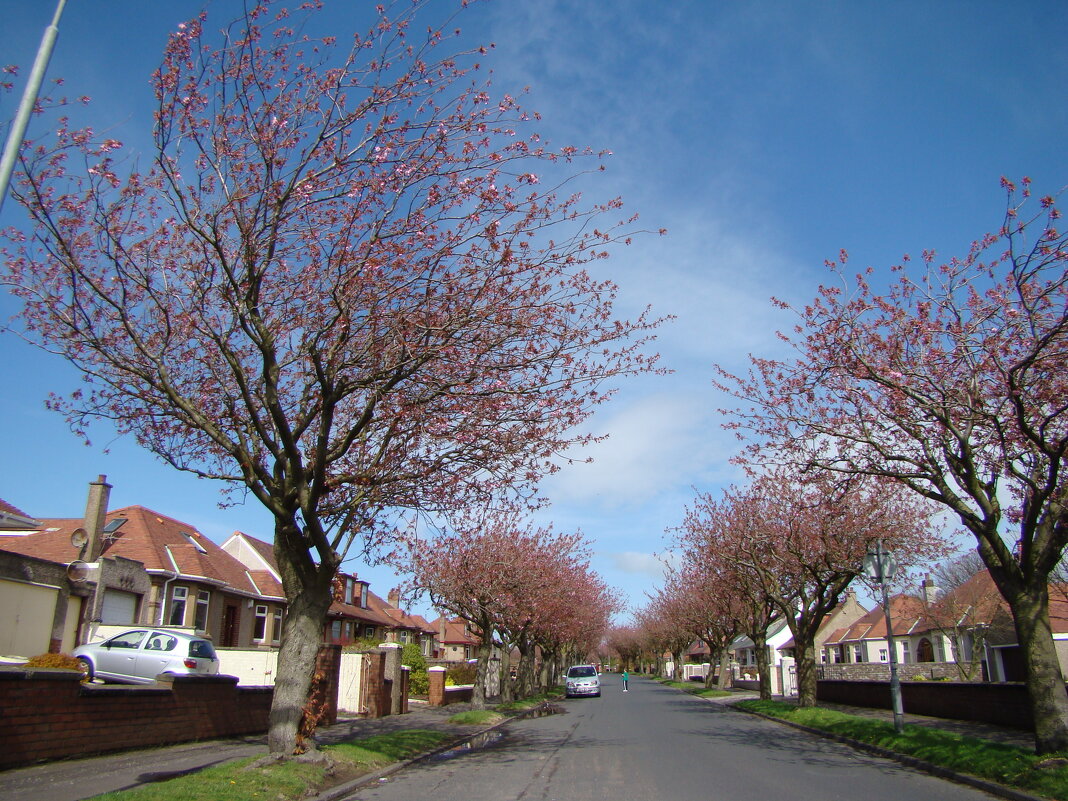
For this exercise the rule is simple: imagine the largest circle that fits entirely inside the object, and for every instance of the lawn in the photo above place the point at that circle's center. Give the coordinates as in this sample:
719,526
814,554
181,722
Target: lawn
1004,764
252,779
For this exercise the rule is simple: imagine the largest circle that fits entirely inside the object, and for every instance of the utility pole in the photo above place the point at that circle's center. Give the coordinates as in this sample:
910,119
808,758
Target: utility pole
29,100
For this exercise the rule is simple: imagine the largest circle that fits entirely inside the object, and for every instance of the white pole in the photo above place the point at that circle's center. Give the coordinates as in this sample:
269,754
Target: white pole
29,99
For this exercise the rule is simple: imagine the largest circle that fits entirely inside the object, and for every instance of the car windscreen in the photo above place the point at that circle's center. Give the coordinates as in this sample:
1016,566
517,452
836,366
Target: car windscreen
581,672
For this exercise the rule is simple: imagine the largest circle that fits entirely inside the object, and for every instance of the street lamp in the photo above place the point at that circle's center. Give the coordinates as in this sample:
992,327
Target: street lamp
881,566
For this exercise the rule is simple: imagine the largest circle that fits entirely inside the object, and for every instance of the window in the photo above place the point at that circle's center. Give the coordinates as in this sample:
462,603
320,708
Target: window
178,599
363,596
276,629
259,628
335,631
403,636
905,653
130,639
348,590
858,653
203,599
369,631
883,656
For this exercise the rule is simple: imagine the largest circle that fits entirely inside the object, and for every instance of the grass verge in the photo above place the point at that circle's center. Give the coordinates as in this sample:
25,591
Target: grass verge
1004,764
477,717
256,780
524,704
695,688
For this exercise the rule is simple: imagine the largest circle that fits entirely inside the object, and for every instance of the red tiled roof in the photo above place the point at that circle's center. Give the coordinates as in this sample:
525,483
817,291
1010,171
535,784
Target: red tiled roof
455,632
162,544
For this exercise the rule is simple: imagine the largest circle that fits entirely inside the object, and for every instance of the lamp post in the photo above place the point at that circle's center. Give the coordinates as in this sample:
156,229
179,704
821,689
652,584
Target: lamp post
880,565
29,98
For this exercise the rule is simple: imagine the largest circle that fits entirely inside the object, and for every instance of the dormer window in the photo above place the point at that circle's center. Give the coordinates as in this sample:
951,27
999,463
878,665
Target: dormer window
192,541
363,596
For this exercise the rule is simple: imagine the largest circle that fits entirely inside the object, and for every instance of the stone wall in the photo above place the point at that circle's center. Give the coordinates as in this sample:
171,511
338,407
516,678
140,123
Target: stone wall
880,671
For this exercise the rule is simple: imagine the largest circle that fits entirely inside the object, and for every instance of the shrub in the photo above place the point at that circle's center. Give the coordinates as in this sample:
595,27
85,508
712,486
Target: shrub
462,674
418,678
63,661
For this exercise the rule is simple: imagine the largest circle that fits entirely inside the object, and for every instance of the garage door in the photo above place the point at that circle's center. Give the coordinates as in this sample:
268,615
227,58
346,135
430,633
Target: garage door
119,608
26,622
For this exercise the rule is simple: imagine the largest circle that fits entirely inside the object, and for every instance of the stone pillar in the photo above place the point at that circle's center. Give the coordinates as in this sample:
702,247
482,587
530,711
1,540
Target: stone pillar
437,686
394,675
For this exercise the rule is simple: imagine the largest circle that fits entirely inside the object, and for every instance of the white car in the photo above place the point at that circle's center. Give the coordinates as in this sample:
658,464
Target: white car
582,680
139,655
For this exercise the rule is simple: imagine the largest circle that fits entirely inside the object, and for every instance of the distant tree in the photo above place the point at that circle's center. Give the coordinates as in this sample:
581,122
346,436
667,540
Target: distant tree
952,382
339,285
797,540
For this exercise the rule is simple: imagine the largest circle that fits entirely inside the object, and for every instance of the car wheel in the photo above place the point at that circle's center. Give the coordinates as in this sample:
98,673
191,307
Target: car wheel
87,669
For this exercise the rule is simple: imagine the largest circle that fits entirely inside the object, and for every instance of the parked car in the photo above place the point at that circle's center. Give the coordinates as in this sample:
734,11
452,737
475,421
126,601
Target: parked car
582,680
139,655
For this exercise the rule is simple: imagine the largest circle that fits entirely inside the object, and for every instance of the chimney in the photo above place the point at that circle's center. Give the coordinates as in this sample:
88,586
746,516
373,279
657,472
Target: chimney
96,509
929,589
394,598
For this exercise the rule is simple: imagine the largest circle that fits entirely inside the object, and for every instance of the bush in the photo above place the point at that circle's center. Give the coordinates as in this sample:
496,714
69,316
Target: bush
418,678
462,674
62,661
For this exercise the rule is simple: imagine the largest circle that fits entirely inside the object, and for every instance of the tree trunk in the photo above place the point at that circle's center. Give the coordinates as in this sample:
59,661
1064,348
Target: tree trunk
309,593
763,667
676,658
507,691
806,673
485,651
724,669
302,636
525,677
1045,682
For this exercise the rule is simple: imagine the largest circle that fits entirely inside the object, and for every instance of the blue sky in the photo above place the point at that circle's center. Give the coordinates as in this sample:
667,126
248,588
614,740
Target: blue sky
764,136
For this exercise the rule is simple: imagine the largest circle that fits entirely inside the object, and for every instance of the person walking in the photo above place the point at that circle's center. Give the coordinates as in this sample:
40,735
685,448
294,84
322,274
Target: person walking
625,677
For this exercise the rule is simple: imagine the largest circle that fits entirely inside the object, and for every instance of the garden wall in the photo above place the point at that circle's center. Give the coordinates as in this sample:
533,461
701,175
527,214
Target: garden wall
49,714
1003,704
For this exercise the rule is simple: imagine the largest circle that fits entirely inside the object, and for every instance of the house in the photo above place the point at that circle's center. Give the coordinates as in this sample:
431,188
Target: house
407,628
137,566
456,642
865,640
350,617
844,615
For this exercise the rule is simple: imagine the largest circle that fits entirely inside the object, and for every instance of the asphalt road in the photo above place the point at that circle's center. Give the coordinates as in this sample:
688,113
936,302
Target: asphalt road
657,743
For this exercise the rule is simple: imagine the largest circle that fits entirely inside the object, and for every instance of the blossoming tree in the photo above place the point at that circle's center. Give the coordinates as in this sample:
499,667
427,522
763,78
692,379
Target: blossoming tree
952,382
337,282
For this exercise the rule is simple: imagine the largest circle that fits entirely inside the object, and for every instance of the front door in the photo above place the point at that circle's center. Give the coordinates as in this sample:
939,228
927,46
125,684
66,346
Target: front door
231,625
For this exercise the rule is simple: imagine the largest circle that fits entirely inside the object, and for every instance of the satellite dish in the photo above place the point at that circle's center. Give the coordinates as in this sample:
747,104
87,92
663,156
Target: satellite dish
78,571
79,537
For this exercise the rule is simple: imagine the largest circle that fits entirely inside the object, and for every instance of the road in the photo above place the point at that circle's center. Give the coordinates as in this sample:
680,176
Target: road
657,743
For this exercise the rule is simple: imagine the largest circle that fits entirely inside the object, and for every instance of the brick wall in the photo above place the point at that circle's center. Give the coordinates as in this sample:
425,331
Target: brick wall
1004,704
440,695
50,714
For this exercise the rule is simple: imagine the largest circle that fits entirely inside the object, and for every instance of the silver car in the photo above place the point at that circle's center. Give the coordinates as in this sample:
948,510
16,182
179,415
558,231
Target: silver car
139,655
582,680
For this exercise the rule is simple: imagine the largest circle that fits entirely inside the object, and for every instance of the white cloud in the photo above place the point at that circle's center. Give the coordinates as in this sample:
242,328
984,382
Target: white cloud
635,562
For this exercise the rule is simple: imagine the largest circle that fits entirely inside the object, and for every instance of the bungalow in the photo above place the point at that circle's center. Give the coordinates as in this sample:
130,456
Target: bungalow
133,566
456,642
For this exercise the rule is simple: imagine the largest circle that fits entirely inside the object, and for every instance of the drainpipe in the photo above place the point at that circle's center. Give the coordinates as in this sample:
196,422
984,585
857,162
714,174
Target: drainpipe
166,584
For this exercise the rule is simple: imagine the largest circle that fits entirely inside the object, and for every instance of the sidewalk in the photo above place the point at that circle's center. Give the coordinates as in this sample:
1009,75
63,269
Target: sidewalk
75,779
